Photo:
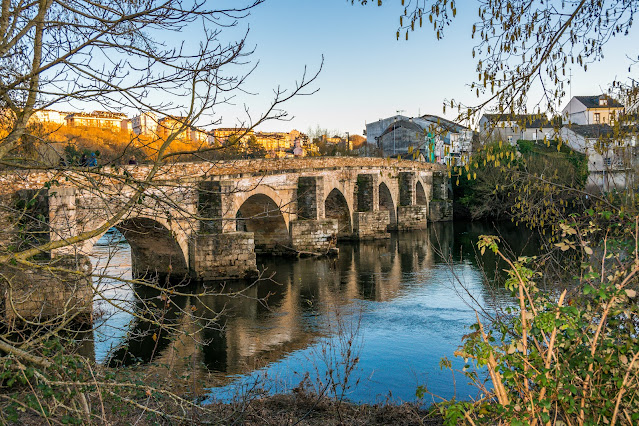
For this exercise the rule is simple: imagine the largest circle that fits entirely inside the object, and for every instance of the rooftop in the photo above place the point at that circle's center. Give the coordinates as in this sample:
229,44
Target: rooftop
527,120
448,125
594,101
591,130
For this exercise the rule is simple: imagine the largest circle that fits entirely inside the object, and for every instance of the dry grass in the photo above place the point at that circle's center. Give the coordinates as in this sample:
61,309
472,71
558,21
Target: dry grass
308,409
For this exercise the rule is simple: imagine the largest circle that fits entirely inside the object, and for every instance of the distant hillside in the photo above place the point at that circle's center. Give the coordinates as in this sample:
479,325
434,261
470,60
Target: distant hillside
113,146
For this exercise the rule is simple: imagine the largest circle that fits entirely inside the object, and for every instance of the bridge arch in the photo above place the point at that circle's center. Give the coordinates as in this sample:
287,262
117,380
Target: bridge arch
387,203
282,203
156,247
420,194
261,215
336,207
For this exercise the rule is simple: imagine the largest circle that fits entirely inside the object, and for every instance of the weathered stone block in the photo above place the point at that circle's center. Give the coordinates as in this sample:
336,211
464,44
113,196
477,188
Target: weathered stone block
314,236
406,188
371,225
367,189
222,256
412,217
440,210
310,193
37,294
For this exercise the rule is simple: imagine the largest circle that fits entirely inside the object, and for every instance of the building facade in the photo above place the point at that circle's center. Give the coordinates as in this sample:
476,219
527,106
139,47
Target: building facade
439,140
50,116
612,159
511,128
585,110
100,119
145,123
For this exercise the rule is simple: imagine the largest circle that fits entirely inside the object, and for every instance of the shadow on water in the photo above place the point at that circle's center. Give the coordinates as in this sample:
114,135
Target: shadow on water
416,294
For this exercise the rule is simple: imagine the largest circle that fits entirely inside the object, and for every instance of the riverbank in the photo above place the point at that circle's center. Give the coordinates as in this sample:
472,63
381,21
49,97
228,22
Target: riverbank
297,408
309,409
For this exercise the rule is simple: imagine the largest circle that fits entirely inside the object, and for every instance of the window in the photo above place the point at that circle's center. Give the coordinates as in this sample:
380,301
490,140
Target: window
607,161
597,118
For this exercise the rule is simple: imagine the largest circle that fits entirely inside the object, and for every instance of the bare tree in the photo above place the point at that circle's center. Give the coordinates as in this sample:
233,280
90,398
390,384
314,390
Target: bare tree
165,57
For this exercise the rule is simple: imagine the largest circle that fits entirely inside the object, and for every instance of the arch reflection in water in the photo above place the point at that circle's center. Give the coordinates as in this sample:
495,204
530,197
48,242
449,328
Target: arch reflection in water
111,255
126,251
410,307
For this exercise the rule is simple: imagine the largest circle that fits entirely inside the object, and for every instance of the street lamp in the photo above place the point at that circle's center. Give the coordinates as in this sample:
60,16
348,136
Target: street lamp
399,111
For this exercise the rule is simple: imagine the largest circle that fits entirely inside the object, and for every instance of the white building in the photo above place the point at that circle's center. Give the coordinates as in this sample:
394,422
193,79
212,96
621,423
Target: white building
599,109
612,162
436,138
49,116
99,119
145,124
511,128
126,125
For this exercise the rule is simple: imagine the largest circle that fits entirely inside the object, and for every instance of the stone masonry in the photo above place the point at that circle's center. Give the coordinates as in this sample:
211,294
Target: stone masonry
210,218
317,237
371,225
411,217
40,294
223,256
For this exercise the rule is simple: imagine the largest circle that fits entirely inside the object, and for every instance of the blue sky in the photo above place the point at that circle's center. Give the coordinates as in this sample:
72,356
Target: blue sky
367,73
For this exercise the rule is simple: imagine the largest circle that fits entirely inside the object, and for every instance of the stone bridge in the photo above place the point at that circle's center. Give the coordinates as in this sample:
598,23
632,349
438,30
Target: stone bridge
208,220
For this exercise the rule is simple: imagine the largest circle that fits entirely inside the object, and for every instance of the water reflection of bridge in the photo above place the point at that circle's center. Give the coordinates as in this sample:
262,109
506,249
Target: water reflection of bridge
273,318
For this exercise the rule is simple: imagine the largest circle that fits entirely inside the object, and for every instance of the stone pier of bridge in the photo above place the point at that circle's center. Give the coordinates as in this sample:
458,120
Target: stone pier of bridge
307,213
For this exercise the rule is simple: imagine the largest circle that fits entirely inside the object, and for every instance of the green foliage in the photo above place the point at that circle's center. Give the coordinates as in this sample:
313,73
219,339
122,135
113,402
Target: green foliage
534,182
568,354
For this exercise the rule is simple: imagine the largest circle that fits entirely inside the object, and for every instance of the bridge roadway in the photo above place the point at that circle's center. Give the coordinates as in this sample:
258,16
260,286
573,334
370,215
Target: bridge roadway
208,220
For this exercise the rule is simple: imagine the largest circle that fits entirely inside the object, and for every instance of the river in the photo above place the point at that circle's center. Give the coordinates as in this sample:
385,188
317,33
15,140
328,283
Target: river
396,306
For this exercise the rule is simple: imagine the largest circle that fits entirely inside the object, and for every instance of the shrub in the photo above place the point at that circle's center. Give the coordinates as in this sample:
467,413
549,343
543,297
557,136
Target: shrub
568,354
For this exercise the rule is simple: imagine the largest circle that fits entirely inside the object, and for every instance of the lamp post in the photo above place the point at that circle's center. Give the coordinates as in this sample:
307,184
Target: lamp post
399,111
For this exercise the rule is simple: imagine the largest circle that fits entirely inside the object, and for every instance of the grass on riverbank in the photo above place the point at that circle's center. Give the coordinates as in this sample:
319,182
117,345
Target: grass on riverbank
290,409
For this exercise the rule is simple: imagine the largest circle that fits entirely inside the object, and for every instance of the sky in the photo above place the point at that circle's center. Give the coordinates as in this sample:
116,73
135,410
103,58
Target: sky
367,74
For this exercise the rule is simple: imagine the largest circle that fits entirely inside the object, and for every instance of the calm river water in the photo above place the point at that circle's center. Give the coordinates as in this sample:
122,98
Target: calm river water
404,303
